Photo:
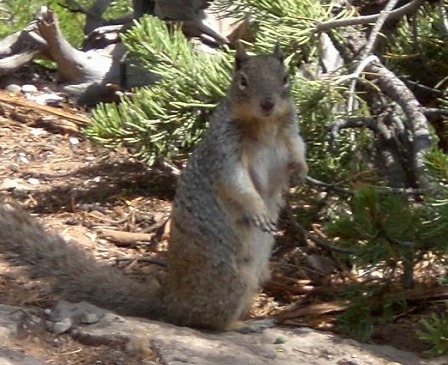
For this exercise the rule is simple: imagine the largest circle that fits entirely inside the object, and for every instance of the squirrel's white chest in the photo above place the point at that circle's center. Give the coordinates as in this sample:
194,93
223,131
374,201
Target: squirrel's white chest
268,168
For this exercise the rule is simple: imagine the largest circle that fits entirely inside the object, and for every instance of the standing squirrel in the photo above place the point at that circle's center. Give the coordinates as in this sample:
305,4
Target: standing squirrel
225,210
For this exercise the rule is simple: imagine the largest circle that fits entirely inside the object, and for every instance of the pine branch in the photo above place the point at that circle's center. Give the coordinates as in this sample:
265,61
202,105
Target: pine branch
166,120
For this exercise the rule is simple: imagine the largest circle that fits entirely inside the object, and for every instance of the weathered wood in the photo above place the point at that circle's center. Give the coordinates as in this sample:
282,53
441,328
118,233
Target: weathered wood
96,73
19,48
125,239
74,66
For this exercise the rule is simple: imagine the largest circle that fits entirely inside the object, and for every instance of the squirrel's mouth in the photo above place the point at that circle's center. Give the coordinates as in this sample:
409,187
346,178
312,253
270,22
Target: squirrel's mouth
266,113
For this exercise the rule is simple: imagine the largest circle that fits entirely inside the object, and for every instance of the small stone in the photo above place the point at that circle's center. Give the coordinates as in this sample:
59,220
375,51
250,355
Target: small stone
29,88
11,184
74,140
89,318
33,181
48,99
36,132
35,319
15,185
22,158
61,326
13,88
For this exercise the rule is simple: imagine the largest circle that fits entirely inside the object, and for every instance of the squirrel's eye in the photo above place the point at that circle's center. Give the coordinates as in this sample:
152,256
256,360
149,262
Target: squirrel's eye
243,81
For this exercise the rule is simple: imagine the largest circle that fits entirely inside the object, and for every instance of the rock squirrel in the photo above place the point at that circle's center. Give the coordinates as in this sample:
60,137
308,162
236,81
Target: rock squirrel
225,210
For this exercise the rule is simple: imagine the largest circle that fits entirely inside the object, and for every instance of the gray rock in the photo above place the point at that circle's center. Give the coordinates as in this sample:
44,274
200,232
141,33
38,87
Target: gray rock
11,357
28,88
13,88
185,346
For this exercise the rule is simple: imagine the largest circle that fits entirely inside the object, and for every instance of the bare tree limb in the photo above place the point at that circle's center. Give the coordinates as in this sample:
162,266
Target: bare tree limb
443,15
413,85
19,48
333,187
397,152
327,245
365,56
360,68
397,90
351,122
435,112
383,16
409,8
77,67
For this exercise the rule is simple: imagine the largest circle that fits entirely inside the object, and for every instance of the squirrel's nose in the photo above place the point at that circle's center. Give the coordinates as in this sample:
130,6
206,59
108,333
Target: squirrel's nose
267,105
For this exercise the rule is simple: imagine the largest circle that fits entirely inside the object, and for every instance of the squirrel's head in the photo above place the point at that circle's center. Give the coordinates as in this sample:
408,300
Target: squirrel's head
260,85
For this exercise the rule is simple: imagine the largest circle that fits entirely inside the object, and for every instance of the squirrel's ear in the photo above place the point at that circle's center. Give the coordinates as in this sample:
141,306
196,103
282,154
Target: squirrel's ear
240,55
277,52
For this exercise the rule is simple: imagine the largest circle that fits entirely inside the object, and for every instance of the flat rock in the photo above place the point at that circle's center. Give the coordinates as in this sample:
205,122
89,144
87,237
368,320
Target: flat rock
180,346
12,357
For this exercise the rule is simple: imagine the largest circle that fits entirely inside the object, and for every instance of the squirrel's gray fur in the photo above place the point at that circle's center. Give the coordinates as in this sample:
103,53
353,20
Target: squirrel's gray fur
226,207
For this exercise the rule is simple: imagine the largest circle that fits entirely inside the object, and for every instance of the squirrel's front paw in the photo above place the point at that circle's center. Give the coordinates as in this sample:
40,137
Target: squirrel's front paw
264,222
298,172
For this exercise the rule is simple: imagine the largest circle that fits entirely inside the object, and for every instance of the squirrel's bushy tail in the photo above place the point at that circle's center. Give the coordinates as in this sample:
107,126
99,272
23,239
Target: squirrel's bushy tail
74,272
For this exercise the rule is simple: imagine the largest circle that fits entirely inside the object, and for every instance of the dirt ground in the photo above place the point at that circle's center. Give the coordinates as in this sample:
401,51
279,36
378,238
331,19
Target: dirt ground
118,208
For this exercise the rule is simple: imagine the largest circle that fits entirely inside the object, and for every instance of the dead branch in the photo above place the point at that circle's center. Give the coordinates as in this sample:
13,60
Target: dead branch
435,112
382,18
320,241
365,56
93,14
400,144
19,48
397,90
79,120
126,239
352,122
409,8
100,73
443,15
73,66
